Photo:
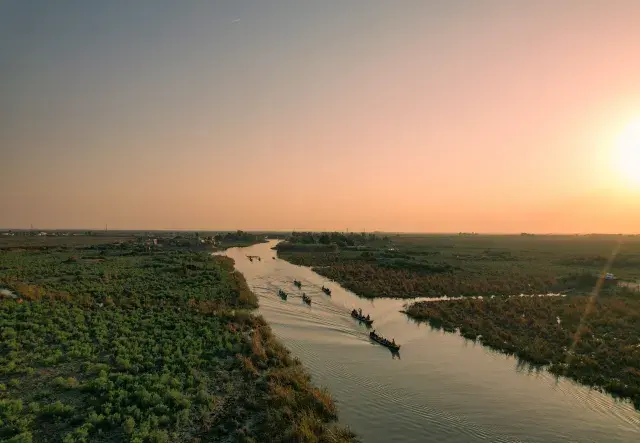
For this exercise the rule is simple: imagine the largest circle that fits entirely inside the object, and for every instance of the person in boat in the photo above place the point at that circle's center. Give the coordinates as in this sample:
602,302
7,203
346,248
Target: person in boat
393,342
368,317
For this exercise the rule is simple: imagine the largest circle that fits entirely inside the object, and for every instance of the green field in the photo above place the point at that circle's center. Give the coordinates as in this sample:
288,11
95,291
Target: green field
131,342
407,266
203,240
595,343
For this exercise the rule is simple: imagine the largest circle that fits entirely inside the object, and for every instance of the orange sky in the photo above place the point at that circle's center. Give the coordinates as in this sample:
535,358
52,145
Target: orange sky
487,116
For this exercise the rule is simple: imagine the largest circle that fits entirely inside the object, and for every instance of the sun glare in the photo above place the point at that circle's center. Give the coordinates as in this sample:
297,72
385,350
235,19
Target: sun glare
629,152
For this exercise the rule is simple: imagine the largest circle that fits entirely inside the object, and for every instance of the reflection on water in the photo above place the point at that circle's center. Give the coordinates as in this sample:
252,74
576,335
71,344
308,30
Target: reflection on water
443,388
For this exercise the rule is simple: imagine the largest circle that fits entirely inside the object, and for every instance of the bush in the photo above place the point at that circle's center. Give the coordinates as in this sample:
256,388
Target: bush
129,425
23,437
155,363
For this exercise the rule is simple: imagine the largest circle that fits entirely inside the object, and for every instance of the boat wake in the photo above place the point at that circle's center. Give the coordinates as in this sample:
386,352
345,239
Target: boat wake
444,388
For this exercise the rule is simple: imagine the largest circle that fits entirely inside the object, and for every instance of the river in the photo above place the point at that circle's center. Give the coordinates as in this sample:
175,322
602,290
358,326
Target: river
441,388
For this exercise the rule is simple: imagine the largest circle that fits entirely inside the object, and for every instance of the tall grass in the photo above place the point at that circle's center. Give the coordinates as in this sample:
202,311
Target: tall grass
123,343
599,349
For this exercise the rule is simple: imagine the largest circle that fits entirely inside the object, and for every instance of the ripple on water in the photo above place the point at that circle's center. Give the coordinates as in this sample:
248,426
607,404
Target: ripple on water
443,388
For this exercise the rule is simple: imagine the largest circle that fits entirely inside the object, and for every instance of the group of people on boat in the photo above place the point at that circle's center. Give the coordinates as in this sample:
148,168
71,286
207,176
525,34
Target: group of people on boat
358,314
384,341
391,344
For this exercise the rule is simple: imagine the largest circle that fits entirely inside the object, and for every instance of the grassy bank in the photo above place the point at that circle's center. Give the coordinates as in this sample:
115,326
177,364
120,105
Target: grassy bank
238,239
203,241
599,349
136,343
407,266
605,353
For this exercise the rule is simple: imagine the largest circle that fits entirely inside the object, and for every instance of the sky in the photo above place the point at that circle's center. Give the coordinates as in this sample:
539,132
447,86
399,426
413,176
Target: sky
420,116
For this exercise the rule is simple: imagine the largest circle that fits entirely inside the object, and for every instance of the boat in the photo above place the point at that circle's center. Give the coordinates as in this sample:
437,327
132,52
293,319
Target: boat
326,290
282,294
383,341
358,316
306,299
297,283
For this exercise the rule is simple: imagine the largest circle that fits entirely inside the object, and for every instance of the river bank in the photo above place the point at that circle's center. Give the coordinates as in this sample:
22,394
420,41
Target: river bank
412,266
594,342
441,387
600,350
130,342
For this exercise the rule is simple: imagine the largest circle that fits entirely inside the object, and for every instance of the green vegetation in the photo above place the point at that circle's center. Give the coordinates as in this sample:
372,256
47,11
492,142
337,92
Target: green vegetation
193,240
603,351
145,343
436,265
31,240
237,239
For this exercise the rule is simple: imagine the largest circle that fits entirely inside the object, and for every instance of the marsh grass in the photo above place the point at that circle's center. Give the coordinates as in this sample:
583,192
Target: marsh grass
406,266
600,349
123,343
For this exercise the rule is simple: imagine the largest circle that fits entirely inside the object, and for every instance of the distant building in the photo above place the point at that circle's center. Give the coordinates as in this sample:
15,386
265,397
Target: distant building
609,276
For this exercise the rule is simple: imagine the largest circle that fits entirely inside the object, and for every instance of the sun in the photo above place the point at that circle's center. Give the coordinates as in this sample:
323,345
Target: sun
629,152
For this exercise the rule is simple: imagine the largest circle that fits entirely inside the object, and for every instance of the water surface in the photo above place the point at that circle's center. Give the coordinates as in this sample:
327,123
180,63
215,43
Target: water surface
441,388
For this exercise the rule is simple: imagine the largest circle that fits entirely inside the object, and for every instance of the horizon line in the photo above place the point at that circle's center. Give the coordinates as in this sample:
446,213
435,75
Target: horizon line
469,233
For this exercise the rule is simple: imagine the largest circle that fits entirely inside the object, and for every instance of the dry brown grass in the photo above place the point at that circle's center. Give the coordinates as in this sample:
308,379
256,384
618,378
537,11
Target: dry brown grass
32,292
